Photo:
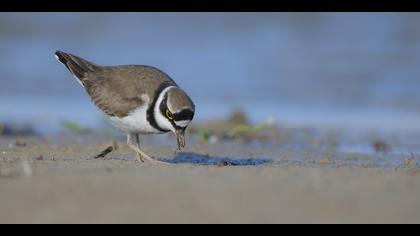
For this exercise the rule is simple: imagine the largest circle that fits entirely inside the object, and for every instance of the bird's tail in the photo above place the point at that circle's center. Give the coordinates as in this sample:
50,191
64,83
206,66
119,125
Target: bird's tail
79,67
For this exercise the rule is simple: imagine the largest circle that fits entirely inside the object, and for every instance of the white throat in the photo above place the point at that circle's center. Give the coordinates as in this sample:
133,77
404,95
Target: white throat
160,119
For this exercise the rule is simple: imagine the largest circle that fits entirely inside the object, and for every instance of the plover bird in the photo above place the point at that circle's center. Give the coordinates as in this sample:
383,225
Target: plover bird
137,99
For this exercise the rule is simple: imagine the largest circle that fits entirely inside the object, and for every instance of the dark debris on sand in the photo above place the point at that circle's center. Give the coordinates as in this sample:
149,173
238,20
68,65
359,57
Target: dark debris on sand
234,128
381,146
105,152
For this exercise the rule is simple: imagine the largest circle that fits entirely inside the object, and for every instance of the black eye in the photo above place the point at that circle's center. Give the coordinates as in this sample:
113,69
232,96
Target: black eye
169,114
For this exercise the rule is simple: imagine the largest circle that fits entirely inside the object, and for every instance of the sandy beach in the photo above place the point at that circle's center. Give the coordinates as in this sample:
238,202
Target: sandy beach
57,179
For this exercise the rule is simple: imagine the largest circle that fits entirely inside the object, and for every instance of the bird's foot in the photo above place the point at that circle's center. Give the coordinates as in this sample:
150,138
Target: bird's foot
138,158
143,158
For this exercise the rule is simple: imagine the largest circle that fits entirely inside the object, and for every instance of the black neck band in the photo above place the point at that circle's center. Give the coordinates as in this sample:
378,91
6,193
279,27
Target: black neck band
150,111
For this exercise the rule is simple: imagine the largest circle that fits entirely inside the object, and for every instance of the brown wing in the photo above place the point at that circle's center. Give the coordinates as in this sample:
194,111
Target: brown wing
118,90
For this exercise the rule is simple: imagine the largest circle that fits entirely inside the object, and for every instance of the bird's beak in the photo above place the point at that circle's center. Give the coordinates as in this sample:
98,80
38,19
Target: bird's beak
180,138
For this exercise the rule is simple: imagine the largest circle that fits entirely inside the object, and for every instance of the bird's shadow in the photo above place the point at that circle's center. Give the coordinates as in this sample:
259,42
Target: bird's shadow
199,159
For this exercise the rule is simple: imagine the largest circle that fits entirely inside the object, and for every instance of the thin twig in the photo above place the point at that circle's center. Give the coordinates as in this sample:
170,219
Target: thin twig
104,152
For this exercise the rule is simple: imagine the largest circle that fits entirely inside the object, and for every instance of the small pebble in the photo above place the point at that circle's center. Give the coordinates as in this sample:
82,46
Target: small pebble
20,143
39,158
381,146
223,163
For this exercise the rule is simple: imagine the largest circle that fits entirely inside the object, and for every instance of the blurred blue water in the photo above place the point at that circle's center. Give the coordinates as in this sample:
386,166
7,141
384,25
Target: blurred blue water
328,69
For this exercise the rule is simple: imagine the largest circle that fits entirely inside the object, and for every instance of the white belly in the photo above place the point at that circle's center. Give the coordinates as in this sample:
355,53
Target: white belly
135,122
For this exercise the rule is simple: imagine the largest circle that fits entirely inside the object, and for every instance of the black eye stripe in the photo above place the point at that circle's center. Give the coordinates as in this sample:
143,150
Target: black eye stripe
185,114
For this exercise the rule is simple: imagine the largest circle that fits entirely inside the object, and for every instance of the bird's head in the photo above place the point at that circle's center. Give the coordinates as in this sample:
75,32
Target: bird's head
175,111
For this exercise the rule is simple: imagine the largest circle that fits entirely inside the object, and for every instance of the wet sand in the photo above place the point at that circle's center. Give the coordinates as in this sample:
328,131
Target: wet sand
56,179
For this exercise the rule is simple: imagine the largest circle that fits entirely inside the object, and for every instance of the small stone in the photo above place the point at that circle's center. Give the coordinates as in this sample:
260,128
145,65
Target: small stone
39,158
381,146
20,143
223,163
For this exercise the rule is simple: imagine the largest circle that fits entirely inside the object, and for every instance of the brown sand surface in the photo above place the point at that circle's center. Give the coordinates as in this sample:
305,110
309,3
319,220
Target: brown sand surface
57,180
